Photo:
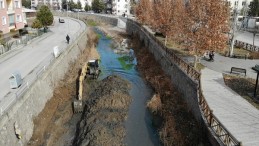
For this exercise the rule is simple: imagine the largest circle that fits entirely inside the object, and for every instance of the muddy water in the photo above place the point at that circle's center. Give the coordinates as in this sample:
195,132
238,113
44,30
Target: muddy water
139,129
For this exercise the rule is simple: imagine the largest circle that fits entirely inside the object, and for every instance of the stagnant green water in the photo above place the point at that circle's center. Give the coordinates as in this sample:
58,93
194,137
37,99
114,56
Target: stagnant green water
139,129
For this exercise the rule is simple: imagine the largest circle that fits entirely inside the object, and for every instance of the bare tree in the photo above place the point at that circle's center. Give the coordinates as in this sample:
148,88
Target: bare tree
200,24
207,23
144,11
163,12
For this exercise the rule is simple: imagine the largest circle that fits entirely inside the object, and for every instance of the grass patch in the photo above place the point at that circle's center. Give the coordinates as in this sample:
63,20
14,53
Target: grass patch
200,66
108,37
176,47
91,23
99,36
236,50
242,86
113,45
125,62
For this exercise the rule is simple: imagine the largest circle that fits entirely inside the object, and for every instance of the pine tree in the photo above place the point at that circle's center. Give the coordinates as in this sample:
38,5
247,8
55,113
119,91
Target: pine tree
45,16
98,6
253,8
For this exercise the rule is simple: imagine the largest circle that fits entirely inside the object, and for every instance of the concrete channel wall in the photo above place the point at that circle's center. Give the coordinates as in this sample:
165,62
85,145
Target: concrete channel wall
34,100
187,85
32,103
86,16
184,83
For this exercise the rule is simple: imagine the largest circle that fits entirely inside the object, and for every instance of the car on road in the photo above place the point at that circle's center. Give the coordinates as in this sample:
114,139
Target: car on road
61,21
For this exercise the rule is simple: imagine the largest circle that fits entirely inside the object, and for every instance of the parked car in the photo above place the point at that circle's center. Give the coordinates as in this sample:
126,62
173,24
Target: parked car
61,20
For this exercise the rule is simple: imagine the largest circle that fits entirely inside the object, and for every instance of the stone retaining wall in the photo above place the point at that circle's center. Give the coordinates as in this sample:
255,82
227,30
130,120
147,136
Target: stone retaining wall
95,17
187,85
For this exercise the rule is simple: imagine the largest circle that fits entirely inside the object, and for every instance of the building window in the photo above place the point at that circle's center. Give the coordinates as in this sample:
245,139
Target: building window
17,4
126,0
3,20
18,18
1,4
118,0
243,3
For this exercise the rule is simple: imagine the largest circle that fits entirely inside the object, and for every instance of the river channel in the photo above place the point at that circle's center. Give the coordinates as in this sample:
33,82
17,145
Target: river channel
139,129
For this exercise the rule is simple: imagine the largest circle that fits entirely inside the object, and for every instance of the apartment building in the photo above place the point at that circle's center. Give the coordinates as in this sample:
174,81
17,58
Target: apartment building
54,4
239,4
11,16
120,7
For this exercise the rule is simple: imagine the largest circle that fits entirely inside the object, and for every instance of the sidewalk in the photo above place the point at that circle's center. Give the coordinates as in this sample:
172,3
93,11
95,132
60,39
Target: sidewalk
235,113
18,48
223,64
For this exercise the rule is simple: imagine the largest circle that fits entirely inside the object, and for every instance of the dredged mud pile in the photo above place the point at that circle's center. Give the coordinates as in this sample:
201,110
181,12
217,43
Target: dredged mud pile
102,122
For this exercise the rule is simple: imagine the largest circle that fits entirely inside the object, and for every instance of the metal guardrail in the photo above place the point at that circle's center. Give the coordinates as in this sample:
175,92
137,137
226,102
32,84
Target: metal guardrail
218,128
187,68
33,76
19,42
246,46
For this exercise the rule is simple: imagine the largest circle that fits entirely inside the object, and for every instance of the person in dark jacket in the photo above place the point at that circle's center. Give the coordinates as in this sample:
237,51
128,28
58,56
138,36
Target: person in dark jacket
67,38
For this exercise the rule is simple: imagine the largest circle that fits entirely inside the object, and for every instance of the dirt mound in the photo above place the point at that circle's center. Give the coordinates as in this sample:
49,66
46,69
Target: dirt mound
106,109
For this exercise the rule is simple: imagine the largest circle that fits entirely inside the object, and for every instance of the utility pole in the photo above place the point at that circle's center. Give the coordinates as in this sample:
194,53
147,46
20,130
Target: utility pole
67,9
67,18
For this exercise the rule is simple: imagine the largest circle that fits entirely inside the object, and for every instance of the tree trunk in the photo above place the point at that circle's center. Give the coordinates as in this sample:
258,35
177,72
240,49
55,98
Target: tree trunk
195,61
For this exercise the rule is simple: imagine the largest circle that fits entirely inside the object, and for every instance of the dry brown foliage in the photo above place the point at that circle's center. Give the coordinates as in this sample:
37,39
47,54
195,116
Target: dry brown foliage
199,24
144,11
178,126
155,104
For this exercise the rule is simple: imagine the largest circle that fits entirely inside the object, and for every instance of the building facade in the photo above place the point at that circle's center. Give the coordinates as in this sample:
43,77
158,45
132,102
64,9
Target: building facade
120,7
239,4
54,4
11,16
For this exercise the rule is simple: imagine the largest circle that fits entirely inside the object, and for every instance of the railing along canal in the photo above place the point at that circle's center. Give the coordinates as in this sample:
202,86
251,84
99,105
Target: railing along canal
218,128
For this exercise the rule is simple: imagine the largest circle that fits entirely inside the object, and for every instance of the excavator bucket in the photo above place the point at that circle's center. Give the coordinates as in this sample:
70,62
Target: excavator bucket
78,106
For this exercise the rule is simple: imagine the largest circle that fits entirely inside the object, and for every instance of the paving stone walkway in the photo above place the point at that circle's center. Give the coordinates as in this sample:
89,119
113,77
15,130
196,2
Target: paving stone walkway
236,114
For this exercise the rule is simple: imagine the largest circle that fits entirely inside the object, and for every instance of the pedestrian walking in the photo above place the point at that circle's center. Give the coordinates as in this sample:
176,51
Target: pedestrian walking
67,38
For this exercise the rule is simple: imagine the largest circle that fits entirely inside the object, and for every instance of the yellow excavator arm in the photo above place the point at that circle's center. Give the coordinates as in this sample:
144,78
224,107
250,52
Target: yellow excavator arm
78,105
81,79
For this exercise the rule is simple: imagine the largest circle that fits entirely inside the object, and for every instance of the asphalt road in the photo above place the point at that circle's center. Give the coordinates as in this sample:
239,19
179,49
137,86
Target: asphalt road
26,59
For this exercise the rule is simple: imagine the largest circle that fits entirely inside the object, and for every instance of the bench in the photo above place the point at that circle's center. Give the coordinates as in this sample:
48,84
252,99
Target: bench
238,70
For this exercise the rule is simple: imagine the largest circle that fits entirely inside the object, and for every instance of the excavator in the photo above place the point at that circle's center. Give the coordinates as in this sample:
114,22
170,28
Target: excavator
89,68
